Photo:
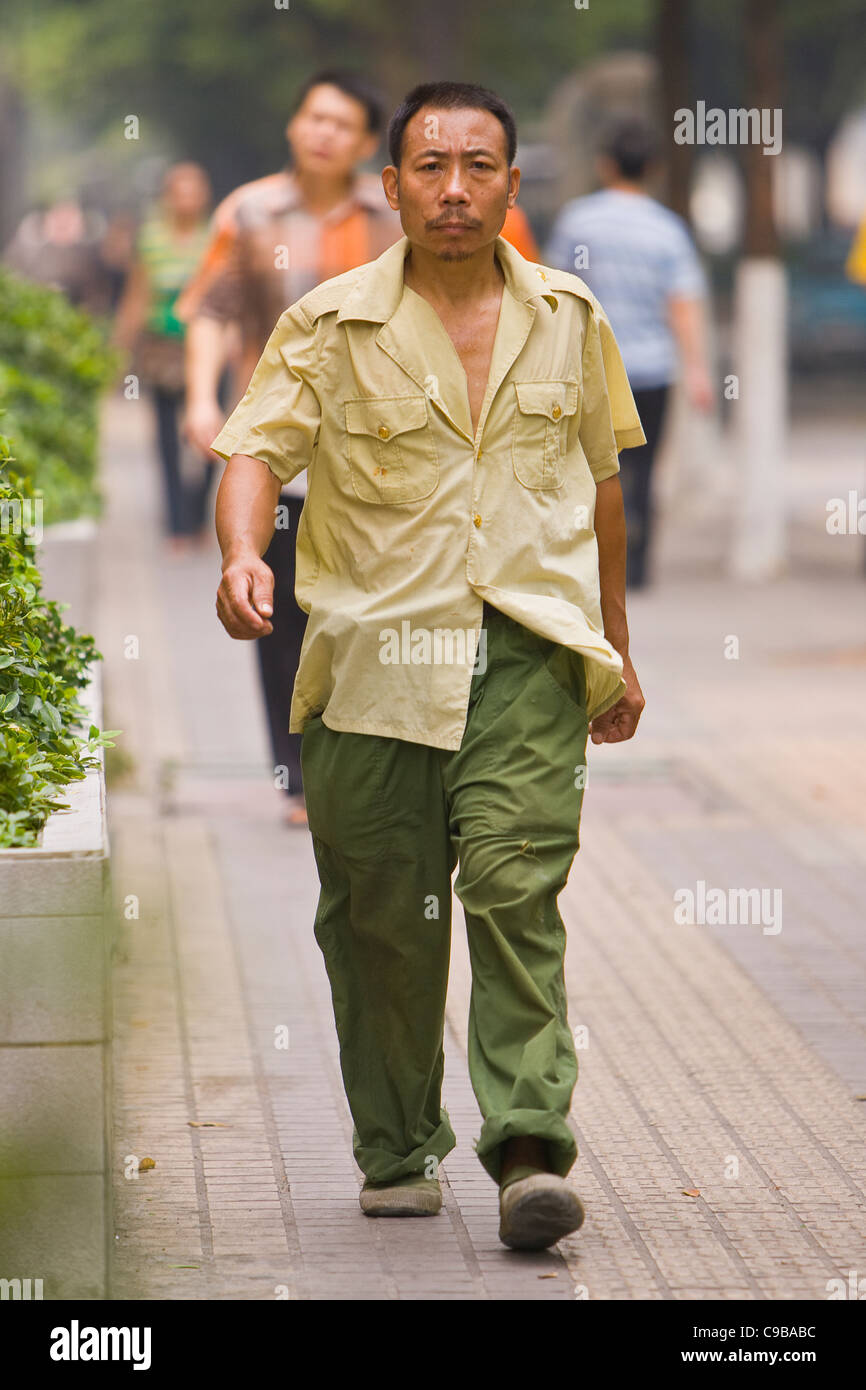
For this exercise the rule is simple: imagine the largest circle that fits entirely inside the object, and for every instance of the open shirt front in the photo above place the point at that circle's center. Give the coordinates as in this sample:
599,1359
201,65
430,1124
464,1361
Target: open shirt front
411,521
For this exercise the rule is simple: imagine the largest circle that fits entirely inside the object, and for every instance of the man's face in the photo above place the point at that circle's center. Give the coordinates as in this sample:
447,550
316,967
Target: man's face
328,133
187,190
454,186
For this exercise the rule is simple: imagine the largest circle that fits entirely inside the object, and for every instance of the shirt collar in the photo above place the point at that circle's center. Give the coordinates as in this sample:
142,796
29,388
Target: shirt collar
365,190
377,294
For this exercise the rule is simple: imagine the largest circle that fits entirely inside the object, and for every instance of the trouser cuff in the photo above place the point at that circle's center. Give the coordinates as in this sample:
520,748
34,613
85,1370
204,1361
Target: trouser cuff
516,1124
381,1165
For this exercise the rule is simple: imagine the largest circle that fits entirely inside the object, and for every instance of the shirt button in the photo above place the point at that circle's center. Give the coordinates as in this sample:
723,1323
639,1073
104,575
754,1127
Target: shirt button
384,432
477,519
557,411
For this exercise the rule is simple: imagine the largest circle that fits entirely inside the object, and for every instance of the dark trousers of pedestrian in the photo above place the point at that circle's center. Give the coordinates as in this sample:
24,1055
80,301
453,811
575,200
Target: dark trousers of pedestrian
280,652
635,475
185,504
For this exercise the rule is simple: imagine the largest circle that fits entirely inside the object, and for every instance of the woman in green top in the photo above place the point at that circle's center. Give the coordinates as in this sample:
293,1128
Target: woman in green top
169,246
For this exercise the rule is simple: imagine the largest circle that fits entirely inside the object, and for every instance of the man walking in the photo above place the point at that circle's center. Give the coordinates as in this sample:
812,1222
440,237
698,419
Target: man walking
461,558
639,258
274,240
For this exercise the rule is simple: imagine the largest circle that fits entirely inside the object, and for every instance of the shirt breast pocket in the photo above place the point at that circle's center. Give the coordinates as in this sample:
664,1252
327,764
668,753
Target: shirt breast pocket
545,409
391,450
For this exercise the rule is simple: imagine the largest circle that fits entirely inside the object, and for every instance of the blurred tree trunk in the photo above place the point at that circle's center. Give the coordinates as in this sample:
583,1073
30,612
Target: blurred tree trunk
12,128
760,327
672,48
763,90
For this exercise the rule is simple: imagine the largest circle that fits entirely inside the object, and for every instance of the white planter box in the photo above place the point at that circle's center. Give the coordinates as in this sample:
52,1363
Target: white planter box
55,1030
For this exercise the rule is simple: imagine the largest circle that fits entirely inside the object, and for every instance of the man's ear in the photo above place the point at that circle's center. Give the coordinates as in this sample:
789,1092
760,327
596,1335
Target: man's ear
513,186
391,185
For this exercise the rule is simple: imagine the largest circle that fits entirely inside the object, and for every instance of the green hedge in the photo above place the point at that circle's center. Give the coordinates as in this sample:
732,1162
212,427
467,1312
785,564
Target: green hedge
54,361
43,667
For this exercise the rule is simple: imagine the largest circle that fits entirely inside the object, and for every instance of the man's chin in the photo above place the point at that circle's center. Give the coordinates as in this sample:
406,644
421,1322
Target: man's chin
449,255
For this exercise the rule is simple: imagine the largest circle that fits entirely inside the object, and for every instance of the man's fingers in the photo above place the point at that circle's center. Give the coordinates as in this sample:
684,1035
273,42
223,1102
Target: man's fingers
615,725
244,603
240,627
263,594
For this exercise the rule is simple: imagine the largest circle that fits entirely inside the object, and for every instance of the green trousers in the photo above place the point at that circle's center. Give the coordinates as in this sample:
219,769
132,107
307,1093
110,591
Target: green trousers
389,821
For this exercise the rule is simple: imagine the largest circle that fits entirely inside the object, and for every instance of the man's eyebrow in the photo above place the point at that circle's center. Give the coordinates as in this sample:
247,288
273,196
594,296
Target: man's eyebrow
432,149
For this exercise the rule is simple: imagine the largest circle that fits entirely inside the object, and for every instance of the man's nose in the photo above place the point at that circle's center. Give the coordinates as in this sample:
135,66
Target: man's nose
455,186
455,190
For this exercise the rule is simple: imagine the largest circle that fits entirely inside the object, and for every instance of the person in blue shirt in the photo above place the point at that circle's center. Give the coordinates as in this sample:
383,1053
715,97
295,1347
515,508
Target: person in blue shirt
639,260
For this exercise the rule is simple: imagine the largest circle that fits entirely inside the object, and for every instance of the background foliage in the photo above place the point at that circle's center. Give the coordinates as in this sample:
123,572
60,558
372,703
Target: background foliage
53,363
215,80
43,667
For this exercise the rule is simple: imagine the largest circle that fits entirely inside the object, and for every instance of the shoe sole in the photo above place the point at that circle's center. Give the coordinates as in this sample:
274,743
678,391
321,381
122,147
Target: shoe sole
402,1202
540,1216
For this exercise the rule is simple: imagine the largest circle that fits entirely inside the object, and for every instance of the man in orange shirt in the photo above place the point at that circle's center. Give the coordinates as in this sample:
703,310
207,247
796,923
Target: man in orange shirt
274,240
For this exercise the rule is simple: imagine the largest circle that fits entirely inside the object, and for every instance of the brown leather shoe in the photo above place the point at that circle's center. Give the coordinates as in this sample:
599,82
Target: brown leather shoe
537,1211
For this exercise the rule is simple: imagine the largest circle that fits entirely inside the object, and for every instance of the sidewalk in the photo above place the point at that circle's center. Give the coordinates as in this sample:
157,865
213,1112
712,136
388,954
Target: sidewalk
726,1062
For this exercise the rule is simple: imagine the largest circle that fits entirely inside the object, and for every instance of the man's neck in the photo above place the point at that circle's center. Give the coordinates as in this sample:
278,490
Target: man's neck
453,282
320,194
625,186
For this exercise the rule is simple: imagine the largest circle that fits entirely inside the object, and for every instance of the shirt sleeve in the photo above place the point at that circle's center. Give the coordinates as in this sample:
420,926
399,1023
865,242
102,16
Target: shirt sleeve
214,257
222,298
277,420
686,276
609,420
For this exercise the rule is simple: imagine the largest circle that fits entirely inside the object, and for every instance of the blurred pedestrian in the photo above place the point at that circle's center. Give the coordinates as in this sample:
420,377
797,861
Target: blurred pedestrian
272,241
168,249
59,246
639,259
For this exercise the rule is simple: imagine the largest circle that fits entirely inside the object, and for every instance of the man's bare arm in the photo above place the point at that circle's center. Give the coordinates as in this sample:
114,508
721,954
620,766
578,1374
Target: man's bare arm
620,721
206,353
688,321
245,517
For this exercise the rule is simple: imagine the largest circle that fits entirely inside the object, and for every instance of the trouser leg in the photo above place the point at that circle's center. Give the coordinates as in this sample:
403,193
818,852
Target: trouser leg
280,652
167,406
515,810
636,476
198,495
379,826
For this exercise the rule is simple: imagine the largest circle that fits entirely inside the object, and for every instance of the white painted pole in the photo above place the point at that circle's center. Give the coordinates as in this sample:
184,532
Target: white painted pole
760,306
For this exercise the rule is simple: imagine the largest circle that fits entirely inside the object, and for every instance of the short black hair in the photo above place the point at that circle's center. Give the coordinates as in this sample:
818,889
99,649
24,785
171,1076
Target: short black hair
450,96
352,84
632,144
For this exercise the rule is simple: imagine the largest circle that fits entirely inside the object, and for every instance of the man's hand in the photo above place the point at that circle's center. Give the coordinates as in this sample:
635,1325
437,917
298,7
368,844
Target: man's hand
699,388
202,423
245,598
620,721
